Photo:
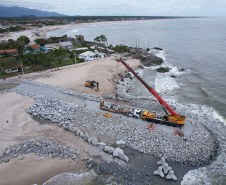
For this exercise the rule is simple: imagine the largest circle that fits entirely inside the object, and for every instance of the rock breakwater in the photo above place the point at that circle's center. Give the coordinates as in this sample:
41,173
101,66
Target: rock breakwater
197,150
43,147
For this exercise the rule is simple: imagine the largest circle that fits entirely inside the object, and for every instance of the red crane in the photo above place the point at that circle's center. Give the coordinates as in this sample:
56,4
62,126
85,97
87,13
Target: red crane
174,117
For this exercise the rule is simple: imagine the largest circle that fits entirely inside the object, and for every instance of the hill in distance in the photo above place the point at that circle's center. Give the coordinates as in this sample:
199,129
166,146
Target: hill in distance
16,11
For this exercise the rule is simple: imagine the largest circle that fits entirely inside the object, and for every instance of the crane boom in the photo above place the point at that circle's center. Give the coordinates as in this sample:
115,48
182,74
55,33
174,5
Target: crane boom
151,90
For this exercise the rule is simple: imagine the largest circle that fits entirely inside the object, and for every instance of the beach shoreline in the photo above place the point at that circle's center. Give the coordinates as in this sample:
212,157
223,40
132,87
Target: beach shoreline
42,32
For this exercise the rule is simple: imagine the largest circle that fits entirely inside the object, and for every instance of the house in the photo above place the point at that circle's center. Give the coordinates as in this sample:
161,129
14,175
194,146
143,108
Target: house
35,48
51,47
11,52
66,45
11,65
87,56
99,55
79,37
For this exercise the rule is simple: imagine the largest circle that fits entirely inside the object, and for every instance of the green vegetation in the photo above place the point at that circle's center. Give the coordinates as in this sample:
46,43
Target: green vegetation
121,48
12,29
100,39
39,60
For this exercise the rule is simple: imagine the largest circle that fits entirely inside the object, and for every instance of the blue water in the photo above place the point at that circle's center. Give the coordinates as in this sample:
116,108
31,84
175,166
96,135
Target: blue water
195,44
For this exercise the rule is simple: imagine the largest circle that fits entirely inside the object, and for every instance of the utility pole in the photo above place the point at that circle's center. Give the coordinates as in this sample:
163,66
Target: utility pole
22,67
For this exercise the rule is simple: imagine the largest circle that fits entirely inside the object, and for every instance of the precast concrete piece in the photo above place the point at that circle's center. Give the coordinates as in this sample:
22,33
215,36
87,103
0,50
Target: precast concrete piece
159,172
166,168
162,161
171,175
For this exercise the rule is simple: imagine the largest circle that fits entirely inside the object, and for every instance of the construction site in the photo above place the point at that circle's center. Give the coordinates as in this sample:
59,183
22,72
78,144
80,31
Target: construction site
82,103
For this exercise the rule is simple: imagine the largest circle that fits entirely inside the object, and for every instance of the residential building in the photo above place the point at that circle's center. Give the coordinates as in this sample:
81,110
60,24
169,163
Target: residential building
11,68
35,48
11,52
87,56
66,45
51,47
79,37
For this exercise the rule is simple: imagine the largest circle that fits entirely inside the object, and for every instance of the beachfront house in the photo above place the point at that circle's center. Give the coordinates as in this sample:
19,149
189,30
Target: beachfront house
80,37
52,47
34,48
10,65
87,56
66,45
8,53
99,55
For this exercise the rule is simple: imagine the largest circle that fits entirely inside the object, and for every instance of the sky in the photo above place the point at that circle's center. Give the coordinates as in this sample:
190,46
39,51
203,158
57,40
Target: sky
125,7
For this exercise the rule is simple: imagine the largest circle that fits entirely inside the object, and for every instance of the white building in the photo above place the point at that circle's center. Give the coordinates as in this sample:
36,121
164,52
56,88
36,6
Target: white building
87,56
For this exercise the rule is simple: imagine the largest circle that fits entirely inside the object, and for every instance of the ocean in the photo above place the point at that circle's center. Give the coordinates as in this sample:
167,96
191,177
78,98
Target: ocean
198,46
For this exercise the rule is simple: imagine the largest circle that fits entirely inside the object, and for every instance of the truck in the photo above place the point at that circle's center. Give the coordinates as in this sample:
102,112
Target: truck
170,119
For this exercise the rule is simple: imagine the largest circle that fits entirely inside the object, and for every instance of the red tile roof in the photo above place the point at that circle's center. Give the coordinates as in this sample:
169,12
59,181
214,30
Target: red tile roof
9,51
35,46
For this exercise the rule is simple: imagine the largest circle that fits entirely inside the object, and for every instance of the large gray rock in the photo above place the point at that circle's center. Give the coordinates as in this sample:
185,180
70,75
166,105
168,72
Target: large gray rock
101,145
120,143
86,136
93,140
109,149
77,131
71,127
120,153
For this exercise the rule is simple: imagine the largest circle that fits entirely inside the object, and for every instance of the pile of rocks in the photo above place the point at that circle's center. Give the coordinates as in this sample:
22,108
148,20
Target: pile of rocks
197,150
60,89
43,147
52,109
118,152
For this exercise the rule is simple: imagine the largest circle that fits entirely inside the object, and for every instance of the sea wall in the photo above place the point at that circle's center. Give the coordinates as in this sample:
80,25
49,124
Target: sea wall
197,150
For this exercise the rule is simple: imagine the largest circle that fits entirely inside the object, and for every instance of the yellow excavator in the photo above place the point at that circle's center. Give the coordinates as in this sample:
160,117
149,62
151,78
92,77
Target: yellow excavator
92,84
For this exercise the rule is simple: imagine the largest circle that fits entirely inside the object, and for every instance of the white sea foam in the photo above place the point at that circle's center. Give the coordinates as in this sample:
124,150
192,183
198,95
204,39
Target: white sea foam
219,117
164,82
71,178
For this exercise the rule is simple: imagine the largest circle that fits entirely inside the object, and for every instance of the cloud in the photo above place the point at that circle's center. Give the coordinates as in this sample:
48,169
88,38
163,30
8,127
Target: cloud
119,7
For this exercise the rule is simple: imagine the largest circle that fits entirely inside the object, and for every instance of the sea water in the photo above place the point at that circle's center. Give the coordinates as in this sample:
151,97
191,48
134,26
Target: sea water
199,91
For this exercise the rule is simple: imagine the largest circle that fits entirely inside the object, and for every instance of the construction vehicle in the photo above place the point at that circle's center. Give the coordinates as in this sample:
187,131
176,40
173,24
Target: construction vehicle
135,113
113,108
107,115
148,116
92,84
172,119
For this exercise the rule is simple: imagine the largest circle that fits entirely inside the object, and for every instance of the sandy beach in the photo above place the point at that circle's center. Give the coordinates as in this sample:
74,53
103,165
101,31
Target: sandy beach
21,126
36,33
